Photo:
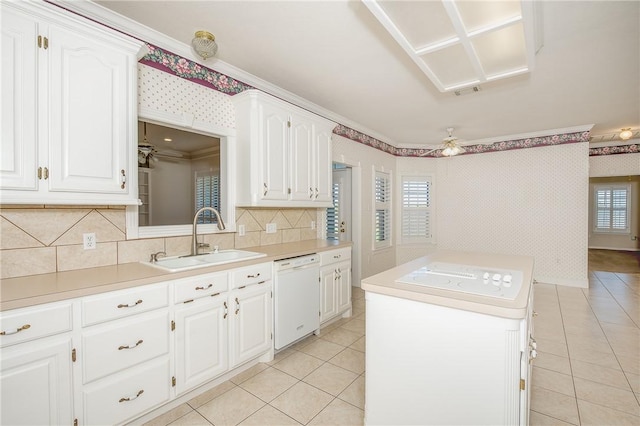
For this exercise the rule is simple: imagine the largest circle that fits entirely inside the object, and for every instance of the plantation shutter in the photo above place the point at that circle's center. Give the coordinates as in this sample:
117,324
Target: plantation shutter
612,209
333,214
207,195
416,209
382,219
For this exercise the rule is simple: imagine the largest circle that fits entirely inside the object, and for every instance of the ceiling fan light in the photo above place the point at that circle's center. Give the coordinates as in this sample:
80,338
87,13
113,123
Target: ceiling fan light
626,134
204,44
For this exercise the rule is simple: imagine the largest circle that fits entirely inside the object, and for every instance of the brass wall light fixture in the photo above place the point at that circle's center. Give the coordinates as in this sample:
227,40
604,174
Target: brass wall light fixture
204,44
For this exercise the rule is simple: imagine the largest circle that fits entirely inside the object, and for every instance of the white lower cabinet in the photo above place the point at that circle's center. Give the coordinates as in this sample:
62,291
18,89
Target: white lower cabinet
127,395
201,334
113,357
124,356
251,322
251,312
35,382
335,283
36,385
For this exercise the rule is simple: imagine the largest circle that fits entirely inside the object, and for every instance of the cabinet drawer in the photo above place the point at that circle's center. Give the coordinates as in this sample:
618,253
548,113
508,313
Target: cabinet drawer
22,325
119,304
122,344
204,285
128,396
251,275
333,256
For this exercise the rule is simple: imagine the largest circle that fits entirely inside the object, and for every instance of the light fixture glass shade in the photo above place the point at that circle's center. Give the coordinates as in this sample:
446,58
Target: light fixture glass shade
626,134
451,149
204,44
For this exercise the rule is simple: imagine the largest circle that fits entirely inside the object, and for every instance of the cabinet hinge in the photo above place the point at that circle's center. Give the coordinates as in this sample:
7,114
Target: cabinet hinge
288,123
521,384
43,42
75,422
173,381
73,354
173,325
271,294
288,190
271,336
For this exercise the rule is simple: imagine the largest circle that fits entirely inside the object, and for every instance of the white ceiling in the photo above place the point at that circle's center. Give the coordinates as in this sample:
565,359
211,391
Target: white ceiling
337,55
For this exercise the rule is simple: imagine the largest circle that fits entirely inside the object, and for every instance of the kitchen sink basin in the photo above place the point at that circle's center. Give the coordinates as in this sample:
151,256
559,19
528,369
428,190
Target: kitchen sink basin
184,263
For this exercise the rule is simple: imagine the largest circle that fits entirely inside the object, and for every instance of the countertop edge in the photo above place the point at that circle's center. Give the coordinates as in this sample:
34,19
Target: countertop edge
47,287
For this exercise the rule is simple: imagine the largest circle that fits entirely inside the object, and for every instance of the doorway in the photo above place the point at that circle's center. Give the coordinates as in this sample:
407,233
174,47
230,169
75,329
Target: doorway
340,225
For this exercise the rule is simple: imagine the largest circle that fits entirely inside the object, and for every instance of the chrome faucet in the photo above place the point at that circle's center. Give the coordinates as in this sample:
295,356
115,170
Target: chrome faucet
194,235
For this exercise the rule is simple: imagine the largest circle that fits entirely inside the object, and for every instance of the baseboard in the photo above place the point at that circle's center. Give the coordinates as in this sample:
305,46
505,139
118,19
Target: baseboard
579,283
614,248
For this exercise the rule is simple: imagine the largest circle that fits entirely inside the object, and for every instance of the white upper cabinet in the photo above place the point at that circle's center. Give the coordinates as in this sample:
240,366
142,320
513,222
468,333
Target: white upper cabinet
69,109
284,153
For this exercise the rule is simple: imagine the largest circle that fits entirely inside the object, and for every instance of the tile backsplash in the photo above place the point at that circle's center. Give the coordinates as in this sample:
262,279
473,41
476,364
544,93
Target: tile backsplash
42,239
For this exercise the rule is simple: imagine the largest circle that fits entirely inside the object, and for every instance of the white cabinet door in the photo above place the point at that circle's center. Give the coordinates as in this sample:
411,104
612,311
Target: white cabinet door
251,311
343,286
36,383
88,139
322,165
328,306
201,341
69,113
18,162
301,159
274,152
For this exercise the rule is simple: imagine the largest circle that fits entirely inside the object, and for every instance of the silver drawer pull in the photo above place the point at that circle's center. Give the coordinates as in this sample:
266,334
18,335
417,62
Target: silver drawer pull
139,342
261,282
131,398
18,330
204,288
337,256
122,305
254,276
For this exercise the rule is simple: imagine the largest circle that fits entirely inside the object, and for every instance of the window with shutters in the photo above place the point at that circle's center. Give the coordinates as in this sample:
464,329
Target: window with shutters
382,210
207,195
417,213
333,214
611,208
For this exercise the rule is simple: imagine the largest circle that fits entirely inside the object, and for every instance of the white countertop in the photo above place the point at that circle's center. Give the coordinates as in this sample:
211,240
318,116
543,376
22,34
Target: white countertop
45,288
385,283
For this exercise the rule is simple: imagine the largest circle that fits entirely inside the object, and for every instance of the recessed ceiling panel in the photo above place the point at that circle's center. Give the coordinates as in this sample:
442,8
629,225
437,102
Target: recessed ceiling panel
451,65
501,51
477,15
461,43
410,18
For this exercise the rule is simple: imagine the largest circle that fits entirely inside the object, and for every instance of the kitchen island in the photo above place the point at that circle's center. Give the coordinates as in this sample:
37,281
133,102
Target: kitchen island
449,341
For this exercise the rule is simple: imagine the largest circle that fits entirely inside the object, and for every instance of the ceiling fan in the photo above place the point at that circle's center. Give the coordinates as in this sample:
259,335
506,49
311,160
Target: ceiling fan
450,146
148,152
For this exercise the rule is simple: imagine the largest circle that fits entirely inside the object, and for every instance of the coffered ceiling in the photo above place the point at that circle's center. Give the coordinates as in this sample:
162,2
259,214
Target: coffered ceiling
342,58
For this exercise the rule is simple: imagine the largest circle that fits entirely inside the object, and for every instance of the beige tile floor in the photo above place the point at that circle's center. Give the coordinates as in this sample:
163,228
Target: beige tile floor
587,371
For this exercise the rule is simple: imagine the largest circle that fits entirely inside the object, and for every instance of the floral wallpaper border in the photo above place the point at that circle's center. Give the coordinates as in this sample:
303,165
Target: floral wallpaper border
174,64
610,150
184,68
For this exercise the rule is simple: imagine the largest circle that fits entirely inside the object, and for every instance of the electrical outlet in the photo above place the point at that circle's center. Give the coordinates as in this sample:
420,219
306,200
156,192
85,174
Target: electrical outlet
89,241
271,228
313,224
241,230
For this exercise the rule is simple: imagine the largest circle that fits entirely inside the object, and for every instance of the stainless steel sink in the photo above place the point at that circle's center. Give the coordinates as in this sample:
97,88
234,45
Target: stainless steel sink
184,263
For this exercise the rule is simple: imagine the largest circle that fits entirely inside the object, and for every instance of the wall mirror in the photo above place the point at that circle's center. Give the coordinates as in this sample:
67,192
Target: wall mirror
182,166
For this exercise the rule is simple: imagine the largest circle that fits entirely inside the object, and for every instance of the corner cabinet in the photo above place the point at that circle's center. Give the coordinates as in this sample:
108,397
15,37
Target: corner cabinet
69,109
289,153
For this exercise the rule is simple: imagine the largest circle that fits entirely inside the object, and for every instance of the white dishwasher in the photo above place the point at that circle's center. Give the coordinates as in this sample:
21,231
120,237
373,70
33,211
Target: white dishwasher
297,298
